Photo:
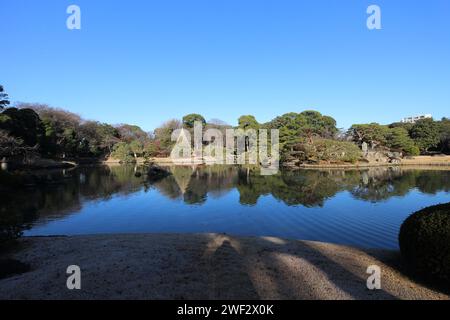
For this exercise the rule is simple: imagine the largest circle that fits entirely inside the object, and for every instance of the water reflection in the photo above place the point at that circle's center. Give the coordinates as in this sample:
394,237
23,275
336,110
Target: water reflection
309,188
64,193
194,184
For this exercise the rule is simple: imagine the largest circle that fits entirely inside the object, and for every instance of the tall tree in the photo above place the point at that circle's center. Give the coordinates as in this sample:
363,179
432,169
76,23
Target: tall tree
62,134
374,134
24,124
398,138
248,122
305,125
4,99
190,119
163,135
129,133
425,133
444,133
109,136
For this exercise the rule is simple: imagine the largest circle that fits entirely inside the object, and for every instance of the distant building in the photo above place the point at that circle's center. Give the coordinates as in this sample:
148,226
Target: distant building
416,118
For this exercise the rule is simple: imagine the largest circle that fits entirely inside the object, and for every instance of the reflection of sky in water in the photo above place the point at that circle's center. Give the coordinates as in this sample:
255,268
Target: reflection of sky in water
343,218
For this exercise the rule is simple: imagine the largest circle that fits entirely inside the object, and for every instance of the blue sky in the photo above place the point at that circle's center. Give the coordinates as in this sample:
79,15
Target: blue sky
143,62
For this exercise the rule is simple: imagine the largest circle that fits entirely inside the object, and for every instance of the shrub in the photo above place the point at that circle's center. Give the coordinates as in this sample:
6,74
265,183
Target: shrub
425,242
122,151
412,150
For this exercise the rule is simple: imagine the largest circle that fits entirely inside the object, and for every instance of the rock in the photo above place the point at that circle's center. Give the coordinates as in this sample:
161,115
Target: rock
375,156
395,161
364,148
265,163
156,172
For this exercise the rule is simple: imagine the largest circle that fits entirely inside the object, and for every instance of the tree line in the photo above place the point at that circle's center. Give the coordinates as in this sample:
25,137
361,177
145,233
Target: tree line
28,130
412,138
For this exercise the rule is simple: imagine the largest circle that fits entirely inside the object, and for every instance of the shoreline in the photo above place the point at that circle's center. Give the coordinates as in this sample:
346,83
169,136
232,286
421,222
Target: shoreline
425,161
205,266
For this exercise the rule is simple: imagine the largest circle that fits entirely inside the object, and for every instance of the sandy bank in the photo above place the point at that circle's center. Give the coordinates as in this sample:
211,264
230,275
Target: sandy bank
441,161
204,266
427,160
436,161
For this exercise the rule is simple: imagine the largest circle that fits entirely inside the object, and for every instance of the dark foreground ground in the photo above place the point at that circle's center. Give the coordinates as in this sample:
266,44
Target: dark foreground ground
204,266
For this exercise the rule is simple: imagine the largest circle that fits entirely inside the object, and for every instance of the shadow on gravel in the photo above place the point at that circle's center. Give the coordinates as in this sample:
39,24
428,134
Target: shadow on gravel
10,267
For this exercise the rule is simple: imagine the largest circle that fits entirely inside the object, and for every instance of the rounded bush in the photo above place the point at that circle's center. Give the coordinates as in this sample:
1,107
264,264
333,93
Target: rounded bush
424,241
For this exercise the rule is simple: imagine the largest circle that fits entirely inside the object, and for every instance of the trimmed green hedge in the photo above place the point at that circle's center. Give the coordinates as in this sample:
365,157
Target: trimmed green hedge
425,242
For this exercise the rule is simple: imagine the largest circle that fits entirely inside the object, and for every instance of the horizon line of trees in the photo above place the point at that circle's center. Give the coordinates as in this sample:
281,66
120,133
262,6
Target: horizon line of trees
422,137
39,130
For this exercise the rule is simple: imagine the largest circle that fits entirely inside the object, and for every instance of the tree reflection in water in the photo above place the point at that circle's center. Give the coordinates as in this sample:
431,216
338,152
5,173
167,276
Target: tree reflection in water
59,193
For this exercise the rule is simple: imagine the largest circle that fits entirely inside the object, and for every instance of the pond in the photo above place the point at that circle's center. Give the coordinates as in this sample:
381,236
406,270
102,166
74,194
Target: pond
356,207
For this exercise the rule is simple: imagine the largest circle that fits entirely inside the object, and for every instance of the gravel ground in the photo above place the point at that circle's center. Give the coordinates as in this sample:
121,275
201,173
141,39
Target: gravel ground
204,266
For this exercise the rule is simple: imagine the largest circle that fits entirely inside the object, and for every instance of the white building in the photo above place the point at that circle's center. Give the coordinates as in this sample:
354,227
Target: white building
416,118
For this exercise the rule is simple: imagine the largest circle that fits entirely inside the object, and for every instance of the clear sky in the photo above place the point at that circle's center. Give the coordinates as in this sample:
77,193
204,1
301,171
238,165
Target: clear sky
143,62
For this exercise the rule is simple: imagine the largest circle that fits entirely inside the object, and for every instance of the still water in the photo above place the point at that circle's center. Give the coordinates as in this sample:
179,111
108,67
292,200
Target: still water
356,207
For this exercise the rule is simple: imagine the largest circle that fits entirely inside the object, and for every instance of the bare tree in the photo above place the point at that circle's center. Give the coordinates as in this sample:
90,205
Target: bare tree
11,147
